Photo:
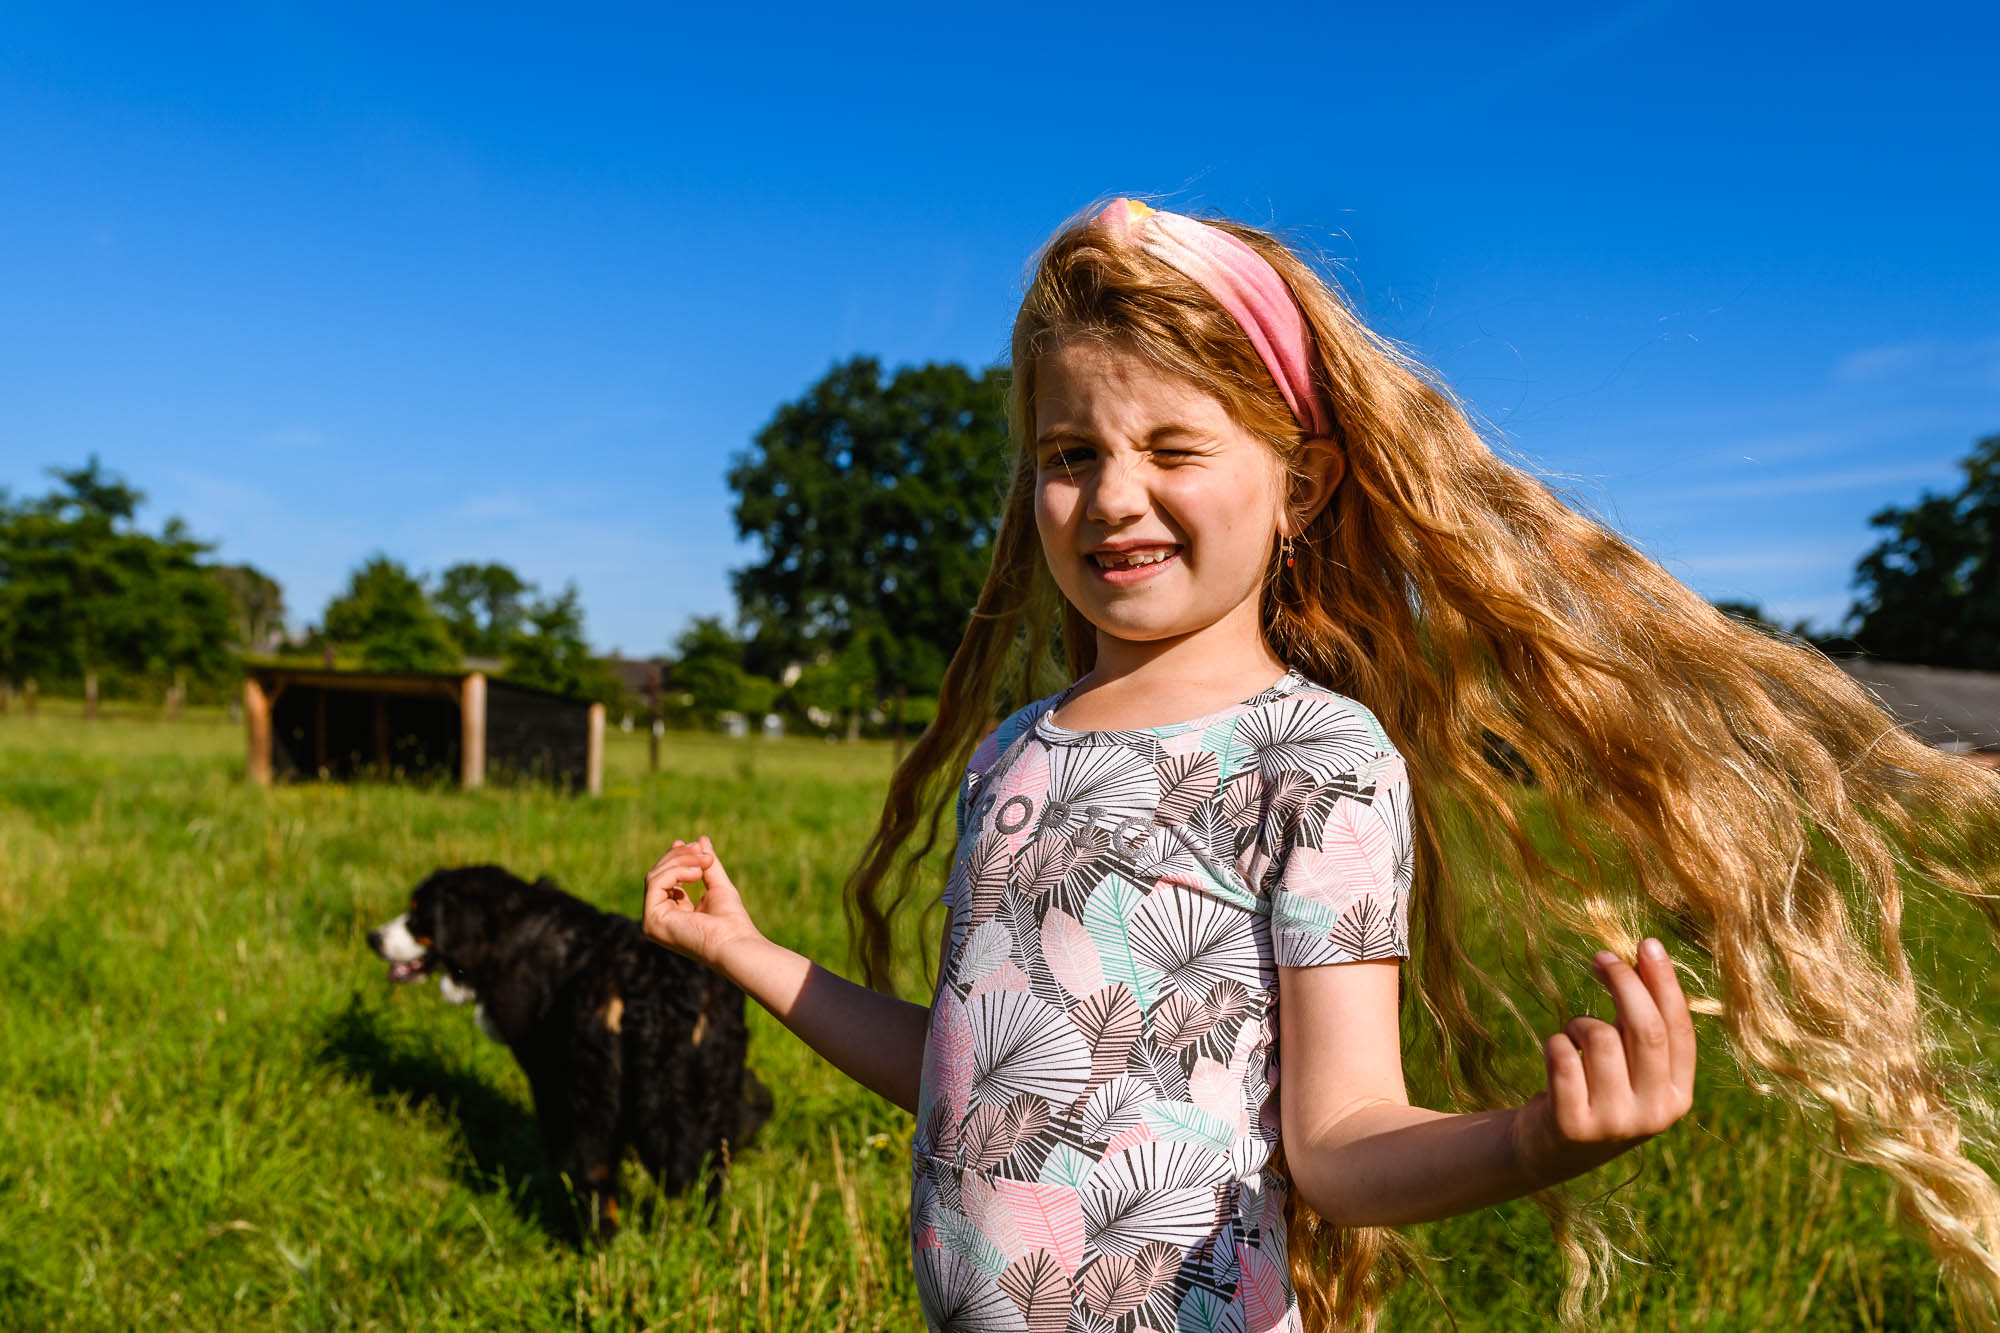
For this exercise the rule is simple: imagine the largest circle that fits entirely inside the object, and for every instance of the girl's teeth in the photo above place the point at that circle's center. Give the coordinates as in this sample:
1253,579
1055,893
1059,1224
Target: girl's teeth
1131,562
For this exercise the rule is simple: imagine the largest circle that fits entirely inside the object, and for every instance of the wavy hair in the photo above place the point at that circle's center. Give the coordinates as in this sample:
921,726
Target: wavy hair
1734,784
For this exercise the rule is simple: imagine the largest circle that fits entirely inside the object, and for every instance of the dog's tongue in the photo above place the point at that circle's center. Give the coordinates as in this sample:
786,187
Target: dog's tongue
404,971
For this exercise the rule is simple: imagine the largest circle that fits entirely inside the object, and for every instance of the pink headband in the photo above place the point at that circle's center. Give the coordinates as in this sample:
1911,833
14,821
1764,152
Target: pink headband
1243,283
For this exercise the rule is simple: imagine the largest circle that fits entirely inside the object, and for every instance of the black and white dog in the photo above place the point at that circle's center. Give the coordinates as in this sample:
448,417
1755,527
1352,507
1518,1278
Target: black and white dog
624,1042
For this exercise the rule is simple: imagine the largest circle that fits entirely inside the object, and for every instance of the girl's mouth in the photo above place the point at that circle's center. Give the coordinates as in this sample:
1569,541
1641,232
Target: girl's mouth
1134,566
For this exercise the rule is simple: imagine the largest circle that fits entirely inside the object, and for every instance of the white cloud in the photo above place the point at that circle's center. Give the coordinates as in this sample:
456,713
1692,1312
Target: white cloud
292,438
1975,362
1787,558
490,509
1936,471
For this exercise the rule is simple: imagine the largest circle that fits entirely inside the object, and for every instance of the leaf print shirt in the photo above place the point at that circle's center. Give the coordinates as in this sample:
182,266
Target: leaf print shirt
1098,1105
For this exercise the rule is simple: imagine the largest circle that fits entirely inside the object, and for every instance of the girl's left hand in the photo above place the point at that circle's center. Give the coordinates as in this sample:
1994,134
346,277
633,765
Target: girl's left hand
1612,1086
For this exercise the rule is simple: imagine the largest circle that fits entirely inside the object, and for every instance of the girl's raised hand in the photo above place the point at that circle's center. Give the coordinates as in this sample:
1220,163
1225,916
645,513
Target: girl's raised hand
1612,1086
705,929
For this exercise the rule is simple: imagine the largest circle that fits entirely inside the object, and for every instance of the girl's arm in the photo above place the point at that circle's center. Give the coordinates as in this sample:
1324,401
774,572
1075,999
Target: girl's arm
875,1039
1361,1155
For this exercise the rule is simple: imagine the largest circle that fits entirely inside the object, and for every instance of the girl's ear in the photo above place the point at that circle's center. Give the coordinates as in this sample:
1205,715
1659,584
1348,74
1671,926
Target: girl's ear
1318,474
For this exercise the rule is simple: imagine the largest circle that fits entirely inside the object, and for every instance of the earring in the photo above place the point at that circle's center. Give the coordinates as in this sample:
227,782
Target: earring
1286,547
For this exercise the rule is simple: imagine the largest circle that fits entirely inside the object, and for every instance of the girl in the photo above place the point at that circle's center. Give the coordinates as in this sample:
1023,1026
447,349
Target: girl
1320,641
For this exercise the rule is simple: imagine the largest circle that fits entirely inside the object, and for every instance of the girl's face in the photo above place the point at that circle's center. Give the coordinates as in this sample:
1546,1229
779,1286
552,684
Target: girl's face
1134,465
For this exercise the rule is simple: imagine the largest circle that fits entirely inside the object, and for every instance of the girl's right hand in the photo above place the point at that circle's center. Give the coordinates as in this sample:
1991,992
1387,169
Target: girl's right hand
1612,1085
706,930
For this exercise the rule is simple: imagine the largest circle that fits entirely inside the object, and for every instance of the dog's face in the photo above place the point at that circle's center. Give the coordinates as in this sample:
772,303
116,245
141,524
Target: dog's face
448,929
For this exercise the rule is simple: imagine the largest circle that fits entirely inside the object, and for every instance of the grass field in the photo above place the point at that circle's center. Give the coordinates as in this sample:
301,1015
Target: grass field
215,1112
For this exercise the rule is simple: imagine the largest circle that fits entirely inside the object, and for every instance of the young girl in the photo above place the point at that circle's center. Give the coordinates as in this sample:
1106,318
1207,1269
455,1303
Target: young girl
1324,649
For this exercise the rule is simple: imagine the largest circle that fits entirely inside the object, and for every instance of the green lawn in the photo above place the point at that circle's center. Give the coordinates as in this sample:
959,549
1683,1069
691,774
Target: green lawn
215,1111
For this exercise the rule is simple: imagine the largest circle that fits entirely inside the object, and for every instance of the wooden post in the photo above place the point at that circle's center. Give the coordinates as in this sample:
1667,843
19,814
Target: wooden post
6,694
176,694
90,695
31,695
472,731
593,764
257,730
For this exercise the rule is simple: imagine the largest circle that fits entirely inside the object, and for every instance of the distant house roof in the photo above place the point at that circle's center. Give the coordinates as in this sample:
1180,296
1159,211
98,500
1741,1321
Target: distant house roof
633,672
1947,707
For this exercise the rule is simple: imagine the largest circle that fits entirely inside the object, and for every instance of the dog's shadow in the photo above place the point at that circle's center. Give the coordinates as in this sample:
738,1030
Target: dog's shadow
503,1148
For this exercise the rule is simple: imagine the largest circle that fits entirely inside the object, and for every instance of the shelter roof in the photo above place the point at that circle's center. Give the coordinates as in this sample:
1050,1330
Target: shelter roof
1950,708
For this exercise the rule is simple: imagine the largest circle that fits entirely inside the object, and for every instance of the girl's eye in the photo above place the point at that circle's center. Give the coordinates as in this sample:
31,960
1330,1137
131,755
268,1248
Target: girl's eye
1069,458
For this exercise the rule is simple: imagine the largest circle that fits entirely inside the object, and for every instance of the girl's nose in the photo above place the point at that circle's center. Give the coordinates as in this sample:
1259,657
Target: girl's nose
1117,494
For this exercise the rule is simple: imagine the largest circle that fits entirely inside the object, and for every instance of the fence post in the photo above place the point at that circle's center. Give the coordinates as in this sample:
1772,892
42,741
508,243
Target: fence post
257,730
653,726
472,731
593,765
30,697
90,695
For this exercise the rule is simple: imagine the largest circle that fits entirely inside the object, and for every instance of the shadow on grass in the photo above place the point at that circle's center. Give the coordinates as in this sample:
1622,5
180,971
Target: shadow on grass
503,1148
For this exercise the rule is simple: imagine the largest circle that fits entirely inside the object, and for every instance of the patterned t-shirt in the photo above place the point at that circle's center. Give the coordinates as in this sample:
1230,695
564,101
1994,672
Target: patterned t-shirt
1099,1102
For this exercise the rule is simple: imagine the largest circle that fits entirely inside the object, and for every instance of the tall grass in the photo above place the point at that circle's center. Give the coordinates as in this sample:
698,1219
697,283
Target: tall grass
214,1110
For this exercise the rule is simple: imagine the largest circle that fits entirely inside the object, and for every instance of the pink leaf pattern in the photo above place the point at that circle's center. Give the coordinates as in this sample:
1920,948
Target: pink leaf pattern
1005,977
994,1220
1355,858
1050,1217
1218,1090
1071,955
1045,864
1038,1286
948,1056
1098,1106
1108,1020
1158,1263
1264,1291
1112,1285
987,874
1179,1021
1131,1136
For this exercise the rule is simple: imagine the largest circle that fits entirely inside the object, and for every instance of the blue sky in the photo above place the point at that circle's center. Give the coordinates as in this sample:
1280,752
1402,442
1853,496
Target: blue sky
516,283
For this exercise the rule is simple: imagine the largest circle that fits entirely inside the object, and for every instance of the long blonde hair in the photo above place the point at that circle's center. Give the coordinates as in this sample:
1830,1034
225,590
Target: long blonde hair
1737,784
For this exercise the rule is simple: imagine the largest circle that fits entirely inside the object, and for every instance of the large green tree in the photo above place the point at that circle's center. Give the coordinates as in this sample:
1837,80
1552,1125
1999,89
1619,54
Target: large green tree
257,603
386,613
875,503
83,590
1930,590
484,606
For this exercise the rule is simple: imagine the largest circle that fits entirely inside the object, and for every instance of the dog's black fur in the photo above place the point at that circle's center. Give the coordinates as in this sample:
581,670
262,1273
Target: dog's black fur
624,1042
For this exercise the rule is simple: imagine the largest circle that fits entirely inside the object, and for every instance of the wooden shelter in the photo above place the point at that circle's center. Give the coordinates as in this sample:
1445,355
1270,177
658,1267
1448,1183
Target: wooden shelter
1953,709
320,722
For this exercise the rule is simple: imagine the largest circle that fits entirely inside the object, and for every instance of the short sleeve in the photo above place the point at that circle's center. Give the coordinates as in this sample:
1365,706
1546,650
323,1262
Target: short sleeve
1342,887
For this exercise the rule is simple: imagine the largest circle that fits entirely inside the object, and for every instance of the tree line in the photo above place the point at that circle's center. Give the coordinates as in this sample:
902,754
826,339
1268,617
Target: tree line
92,604
873,498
